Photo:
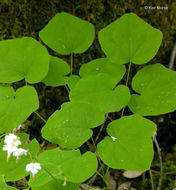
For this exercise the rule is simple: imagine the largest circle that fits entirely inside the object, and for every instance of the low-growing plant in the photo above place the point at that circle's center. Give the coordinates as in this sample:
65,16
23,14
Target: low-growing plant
93,94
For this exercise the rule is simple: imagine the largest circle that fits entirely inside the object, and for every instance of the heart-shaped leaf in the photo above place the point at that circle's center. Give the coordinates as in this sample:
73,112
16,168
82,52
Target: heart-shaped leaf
17,106
103,65
67,165
71,125
68,34
156,85
130,145
98,90
57,71
23,58
130,39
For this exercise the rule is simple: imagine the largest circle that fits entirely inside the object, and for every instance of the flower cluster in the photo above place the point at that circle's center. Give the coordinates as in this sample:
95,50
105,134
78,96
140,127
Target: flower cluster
11,144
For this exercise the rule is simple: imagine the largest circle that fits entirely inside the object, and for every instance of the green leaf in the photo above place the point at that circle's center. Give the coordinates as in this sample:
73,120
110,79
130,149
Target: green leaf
72,81
57,71
52,185
17,106
67,34
133,149
4,186
65,164
103,65
98,90
23,137
6,92
33,146
23,58
130,39
70,127
157,89
14,171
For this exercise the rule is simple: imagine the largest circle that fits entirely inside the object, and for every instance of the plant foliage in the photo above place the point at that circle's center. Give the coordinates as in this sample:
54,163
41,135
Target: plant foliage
95,92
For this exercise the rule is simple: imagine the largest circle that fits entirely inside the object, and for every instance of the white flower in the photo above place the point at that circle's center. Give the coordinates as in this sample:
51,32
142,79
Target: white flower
19,152
33,168
12,140
11,144
113,138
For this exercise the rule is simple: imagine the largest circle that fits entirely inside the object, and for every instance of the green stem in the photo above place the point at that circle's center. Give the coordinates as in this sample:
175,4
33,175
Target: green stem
97,154
103,180
128,74
101,165
151,179
93,143
67,88
30,155
122,112
71,64
107,171
40,117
